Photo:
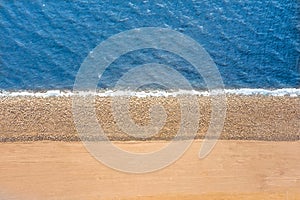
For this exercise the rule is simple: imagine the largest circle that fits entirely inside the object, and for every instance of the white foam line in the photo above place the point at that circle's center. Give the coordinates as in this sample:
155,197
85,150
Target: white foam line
292,92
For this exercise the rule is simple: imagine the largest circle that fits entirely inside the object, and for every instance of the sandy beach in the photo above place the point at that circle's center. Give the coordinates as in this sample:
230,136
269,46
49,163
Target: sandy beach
234,170
257,156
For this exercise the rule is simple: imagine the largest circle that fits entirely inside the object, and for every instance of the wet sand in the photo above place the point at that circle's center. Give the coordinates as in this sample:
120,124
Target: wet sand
248,118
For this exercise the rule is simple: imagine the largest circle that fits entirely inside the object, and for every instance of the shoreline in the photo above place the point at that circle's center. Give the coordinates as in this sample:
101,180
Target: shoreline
289,92
266,118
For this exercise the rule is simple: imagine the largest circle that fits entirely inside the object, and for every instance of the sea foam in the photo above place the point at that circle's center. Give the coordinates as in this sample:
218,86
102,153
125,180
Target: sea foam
291,92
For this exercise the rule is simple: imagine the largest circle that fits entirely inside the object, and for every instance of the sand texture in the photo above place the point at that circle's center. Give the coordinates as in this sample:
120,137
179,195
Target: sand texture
248,118
256,158
234,170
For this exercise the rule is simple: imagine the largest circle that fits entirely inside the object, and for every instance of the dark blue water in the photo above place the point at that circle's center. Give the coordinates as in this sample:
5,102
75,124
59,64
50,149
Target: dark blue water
254,44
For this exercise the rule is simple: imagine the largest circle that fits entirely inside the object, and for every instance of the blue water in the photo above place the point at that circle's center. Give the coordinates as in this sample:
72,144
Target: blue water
254,44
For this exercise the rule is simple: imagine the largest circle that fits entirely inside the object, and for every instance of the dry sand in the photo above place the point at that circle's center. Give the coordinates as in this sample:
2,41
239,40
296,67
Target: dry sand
41,157
234,170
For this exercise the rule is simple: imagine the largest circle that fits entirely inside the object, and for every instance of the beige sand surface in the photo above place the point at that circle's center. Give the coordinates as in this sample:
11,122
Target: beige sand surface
234,170
57,166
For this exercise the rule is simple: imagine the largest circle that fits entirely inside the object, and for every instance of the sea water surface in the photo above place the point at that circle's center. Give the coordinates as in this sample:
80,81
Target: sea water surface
255,44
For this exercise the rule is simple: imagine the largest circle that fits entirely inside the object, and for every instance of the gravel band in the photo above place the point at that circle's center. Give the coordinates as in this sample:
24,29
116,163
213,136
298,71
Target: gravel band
248,118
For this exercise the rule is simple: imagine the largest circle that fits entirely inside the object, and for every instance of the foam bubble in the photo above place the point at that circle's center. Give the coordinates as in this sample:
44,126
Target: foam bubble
291,92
